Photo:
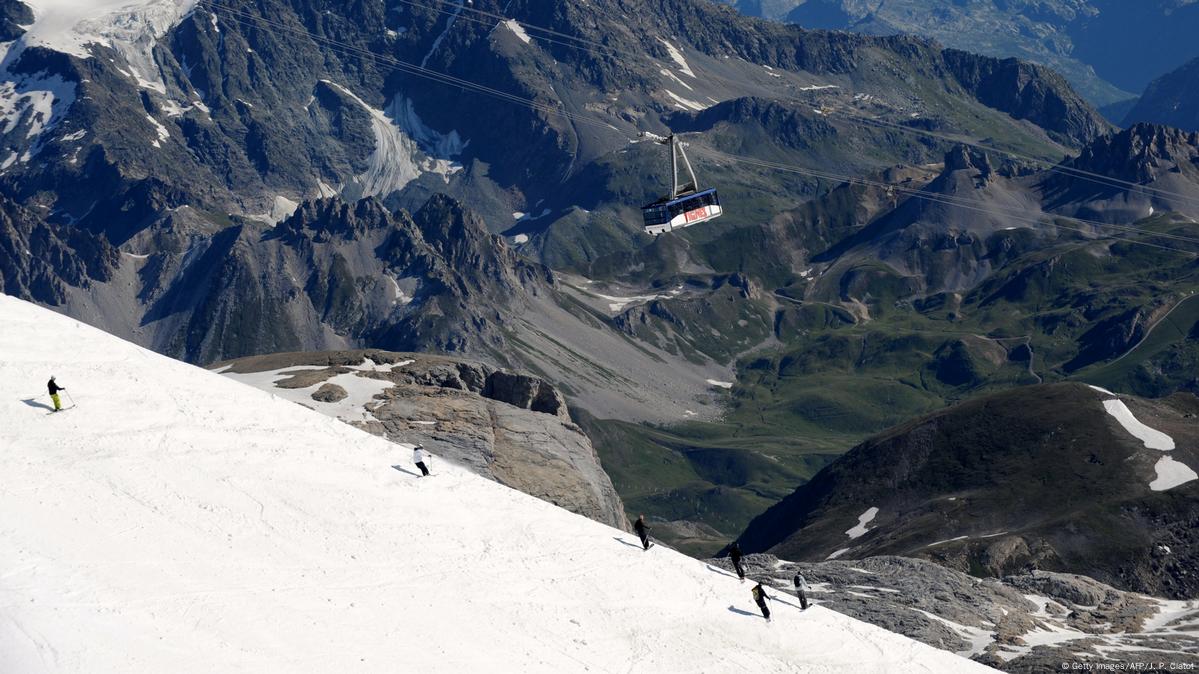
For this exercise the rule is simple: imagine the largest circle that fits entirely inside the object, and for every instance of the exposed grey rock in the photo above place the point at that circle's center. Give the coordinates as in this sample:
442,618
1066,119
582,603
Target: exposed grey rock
329,393
510,427
995,621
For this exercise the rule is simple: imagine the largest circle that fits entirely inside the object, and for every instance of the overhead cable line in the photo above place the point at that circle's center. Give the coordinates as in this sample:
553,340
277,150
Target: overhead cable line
250,19
599,47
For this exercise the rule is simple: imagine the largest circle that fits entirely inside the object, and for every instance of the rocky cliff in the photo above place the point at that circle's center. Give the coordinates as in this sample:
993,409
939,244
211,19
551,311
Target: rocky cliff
510,427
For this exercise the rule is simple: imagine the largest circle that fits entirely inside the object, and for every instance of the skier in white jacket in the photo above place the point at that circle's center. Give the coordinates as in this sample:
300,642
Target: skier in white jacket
420,456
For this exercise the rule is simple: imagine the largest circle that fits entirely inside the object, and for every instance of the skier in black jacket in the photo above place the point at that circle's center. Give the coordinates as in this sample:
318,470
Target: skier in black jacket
801,587
642,530
760,596
54,388
735,556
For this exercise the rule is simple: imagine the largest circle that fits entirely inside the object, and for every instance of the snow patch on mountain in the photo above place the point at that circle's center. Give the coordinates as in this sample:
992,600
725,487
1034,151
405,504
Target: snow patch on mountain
1153,439
666,73
859,530
514,26
34,104
684,103
405,148
454,13
837,553
132,27
1171,473
677,57
176,520
163,134
360,391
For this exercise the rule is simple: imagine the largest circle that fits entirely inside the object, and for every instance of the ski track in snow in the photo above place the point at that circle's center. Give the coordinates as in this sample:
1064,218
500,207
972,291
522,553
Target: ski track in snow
1152,438
859,529
178,521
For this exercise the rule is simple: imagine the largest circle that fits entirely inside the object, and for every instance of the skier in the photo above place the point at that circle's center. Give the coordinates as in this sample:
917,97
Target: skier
801,587
735,555
642,530
760,596
54,389
420,456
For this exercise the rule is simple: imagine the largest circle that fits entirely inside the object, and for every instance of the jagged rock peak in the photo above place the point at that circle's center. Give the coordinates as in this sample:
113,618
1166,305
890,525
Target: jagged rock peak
963,158
1140,153
320,219
38,260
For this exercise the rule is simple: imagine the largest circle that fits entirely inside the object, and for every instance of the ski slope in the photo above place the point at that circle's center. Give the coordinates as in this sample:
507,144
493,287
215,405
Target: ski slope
178,521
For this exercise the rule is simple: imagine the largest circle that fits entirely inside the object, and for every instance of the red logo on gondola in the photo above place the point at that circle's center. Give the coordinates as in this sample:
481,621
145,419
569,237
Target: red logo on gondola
697,214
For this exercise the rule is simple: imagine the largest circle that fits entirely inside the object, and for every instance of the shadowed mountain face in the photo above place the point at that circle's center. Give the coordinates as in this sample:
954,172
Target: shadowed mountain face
1170,99
1108,49
1047,477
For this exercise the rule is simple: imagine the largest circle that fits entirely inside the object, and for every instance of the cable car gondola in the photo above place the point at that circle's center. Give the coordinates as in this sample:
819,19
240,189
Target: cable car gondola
686,204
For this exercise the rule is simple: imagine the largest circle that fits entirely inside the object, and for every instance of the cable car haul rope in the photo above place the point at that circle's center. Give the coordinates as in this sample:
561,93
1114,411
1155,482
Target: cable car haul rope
687,204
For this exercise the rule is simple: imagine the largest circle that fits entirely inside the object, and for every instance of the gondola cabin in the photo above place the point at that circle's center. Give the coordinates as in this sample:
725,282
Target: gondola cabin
686,204
667,214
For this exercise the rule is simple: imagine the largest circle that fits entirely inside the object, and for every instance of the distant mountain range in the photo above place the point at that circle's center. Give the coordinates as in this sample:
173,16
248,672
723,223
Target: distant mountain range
906,226
1172,99
1108,49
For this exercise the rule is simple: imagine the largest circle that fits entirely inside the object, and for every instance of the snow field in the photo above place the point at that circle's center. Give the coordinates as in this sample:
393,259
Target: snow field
1153,439
1169,472
859,529
176,520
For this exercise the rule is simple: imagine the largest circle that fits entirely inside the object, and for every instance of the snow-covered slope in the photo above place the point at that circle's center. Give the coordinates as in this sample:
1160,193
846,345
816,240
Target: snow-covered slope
128,25
175,520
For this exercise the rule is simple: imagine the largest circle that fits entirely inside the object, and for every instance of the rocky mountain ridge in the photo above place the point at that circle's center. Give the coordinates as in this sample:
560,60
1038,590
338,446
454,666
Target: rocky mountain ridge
1108,49
1029,622
1170,99
509,427
1039,477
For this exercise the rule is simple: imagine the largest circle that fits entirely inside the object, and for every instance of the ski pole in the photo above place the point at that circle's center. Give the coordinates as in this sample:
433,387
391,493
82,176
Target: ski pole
69,397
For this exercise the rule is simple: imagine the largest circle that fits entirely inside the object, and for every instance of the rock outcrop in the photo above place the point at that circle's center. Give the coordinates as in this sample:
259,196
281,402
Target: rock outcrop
510,427
1022,623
